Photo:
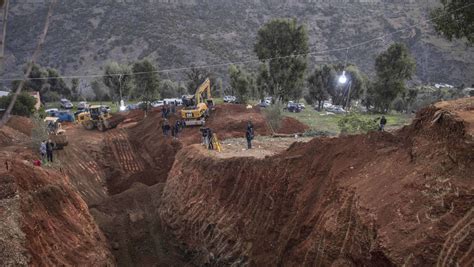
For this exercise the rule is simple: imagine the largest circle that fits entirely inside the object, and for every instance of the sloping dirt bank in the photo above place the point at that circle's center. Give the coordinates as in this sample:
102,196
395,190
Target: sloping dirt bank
374,200
44,221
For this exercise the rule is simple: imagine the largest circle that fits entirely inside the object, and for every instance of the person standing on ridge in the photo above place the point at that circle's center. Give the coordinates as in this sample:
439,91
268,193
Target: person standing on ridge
249,134
49,150
43,151
383,121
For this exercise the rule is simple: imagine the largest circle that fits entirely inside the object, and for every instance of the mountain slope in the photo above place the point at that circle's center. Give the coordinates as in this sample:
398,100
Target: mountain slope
87,34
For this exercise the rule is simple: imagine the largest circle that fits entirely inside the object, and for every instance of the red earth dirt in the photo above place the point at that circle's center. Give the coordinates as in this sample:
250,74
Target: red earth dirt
21,124
376,200
46,213
380,199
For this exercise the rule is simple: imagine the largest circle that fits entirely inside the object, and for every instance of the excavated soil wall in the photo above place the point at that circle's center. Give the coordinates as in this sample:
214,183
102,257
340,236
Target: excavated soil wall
46,221
373,200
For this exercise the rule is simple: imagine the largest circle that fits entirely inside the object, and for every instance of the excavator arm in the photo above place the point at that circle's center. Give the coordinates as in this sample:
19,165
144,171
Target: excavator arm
205,87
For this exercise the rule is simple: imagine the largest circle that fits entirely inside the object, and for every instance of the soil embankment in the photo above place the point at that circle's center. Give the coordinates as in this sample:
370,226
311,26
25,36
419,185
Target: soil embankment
376,200
44,221
381,199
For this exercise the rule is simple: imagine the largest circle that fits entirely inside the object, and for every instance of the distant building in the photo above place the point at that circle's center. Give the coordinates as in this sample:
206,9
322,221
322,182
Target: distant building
4,93
36,95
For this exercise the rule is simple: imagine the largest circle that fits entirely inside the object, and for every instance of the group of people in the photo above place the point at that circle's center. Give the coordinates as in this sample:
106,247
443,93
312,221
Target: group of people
174,129
46,151
167,109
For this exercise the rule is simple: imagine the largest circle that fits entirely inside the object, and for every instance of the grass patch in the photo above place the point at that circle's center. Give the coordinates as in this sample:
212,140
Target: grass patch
319,121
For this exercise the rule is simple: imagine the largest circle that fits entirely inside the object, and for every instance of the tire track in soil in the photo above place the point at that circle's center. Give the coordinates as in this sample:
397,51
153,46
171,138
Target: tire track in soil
455,236
123,152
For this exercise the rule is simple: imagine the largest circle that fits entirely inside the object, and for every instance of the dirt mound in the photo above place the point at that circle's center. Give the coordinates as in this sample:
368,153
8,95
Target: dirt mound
230,120
366,200
21,124
51,222
290,126
10,136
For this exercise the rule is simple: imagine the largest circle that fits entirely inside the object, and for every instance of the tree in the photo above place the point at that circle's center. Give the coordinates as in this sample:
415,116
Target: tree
146,81
262,82
220,87
118,79
168,89
197,76
57,84
240,82
24,105
37,78
342,94
319,84
283,44
75,88
100,94
393,68
455,19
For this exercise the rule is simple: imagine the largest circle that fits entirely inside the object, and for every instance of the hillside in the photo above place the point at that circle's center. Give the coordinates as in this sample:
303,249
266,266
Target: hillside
86,34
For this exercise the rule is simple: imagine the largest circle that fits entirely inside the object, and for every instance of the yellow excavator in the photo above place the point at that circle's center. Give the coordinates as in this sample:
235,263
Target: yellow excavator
197,107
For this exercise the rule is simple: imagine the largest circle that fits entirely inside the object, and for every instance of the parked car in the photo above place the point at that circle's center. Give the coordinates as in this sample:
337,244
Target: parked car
230,99
335,109
105,108
177,101
157,103
51,112
132,107
66,104
82,105
263,104
293,107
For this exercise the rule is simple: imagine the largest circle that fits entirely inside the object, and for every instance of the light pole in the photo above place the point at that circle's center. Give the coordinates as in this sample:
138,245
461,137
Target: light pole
343,80
122,104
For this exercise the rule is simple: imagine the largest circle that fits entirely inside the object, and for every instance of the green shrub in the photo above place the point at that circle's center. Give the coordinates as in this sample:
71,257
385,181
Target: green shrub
39,131
354,123
24,105
273,115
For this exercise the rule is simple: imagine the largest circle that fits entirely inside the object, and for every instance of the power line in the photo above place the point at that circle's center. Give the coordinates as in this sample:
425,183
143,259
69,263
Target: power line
379,38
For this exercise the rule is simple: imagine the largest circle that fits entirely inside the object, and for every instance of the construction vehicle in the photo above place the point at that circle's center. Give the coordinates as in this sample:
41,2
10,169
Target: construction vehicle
198,106
96,117
56,133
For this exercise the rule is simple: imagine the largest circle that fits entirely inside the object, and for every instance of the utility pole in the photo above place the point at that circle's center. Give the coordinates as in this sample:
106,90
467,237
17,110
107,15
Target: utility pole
3,24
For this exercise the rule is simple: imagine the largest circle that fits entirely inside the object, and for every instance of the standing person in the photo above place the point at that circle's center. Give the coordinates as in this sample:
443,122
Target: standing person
165,127
250,127
177,126
204,137
43,151
383,121
249,137
174,132
173,107
163,111
49,150
209,137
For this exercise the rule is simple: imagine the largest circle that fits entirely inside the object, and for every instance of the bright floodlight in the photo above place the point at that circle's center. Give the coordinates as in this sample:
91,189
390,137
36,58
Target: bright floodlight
122,105
343,78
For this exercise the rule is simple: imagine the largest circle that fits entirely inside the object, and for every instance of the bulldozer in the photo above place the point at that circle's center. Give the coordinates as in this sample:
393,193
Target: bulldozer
96,117
56,133
198,106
